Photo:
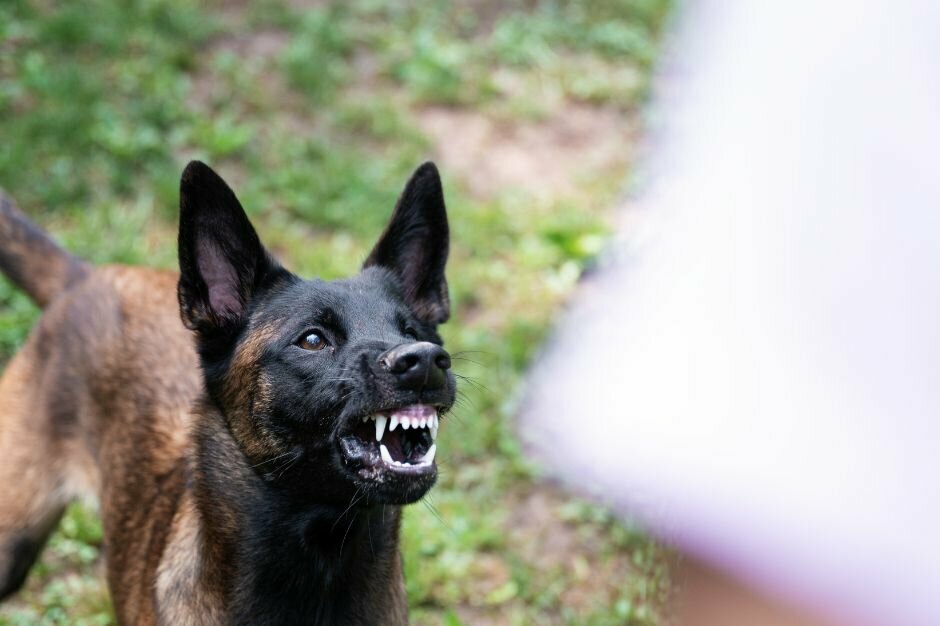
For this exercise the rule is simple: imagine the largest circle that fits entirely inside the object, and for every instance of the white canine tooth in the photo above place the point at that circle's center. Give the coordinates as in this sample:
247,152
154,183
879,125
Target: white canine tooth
406,422
434,432
385,455
394,423
380,421
429,455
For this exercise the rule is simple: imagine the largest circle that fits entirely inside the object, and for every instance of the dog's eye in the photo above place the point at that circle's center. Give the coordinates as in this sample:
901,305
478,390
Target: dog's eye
411,334
312,341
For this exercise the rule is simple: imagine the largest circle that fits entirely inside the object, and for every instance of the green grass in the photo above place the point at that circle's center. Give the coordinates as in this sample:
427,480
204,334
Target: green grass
314,116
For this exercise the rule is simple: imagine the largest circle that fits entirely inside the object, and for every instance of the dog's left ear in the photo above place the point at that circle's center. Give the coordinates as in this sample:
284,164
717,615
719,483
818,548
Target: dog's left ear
415,244
222,262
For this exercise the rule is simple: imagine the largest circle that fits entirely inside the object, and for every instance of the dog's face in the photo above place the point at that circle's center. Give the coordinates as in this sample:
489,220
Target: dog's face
333,389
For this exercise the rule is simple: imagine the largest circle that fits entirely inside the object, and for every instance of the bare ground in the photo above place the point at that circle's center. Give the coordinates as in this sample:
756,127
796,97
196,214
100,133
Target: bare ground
547,158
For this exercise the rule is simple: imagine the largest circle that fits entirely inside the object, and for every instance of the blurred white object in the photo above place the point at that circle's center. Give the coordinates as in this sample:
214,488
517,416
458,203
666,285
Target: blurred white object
756,373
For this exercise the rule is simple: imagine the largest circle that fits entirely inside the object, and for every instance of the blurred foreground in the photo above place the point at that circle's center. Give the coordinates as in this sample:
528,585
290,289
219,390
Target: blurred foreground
759,358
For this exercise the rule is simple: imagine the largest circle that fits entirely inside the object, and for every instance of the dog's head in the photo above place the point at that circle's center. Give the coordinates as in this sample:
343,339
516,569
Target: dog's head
330,388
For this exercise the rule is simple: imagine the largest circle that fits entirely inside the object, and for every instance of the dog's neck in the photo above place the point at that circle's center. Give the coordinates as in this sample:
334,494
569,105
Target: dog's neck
275,560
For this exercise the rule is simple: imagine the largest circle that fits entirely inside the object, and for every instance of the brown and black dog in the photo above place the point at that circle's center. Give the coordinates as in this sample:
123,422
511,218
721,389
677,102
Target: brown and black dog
249,459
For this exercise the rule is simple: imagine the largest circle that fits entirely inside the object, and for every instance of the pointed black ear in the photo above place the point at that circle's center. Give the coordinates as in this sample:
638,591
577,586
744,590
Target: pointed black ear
222,261
415,244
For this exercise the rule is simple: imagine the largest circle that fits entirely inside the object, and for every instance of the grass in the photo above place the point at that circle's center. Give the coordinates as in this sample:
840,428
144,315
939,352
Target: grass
314,115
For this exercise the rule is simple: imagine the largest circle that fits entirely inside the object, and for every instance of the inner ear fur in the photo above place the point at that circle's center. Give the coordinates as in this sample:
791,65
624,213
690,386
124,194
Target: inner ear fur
222,261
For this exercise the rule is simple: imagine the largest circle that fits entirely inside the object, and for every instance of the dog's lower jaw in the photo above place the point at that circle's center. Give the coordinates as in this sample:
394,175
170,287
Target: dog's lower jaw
271,560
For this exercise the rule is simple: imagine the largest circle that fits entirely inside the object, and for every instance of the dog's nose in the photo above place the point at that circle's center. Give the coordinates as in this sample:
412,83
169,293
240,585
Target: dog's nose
421,365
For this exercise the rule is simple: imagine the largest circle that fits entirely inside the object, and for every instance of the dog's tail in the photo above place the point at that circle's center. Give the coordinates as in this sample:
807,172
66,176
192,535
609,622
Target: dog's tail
31,259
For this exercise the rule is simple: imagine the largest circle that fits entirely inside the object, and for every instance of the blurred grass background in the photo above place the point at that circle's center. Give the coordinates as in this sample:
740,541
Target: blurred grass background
316,113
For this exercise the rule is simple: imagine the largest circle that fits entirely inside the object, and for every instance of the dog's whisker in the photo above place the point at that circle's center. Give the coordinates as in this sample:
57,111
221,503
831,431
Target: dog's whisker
455,414
288,464
459,405
466,360
473,382
463,394
265,462
352,503
464,400
460,353
348,528
433,509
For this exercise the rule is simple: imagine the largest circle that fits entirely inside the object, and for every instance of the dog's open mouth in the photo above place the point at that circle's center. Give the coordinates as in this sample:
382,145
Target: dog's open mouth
401,440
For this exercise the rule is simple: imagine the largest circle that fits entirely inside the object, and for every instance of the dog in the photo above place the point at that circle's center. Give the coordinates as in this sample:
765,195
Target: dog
250,435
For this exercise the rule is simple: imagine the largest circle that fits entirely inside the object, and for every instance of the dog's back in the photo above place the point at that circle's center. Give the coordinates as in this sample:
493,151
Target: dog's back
95,404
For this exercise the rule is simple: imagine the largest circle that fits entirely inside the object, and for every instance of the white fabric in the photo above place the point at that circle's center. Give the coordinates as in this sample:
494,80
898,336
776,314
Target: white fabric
757,372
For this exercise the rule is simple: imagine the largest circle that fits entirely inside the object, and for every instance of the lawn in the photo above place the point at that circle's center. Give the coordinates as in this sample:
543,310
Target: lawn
316,113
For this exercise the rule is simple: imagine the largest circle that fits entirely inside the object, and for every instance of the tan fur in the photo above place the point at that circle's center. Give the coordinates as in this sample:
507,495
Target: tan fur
179,573
258,443
32,260
98,403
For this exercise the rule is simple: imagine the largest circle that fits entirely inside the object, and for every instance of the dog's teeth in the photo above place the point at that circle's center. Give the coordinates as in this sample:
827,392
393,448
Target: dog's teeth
405,422
424,422
380,421
434,431
385,455
429,455
394,423
365,417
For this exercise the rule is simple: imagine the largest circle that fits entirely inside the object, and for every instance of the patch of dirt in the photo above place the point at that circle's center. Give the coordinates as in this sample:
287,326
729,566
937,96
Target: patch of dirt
262,44
486,13
488,573
547,158
548,543
571,559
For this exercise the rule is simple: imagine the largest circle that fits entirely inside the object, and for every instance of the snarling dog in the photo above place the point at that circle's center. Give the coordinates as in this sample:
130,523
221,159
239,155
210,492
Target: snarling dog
250,435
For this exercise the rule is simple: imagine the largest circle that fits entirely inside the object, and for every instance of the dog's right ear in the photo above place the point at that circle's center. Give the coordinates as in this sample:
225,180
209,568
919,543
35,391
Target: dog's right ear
415,245
222,261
